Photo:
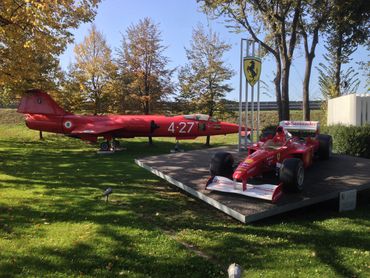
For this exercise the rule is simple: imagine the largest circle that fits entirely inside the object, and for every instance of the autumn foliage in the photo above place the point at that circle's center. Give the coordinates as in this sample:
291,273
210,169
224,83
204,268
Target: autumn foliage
32,35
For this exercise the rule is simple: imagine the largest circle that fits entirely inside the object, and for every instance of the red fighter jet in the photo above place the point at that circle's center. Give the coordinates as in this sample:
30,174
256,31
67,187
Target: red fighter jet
44,114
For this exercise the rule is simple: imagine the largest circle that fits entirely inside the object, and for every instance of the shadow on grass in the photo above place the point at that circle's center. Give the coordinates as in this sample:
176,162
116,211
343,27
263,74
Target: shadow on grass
121,231
256,244
64,185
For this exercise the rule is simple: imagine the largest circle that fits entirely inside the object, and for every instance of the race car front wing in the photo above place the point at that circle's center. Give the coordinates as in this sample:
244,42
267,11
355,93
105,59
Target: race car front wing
269,192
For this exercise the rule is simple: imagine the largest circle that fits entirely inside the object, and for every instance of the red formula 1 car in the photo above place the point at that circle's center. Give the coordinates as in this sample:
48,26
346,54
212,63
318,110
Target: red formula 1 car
286,154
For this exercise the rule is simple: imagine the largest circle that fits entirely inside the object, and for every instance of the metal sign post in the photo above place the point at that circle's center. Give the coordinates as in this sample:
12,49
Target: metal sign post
240,94
258,98
250,81
246,105
252,70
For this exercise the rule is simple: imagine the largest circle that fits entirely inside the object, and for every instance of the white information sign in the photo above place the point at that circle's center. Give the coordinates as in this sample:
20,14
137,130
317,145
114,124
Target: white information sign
347,200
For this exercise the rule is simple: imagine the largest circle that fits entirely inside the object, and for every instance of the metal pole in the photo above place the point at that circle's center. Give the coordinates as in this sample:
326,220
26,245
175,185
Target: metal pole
240,94
258,98
252,102
246,107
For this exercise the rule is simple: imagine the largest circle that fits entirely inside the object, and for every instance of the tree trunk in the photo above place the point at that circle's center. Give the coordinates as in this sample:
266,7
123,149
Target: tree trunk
338,65
285,90
306,88
96,108
96,104
309,55
146,111
147,95
277,82
146,107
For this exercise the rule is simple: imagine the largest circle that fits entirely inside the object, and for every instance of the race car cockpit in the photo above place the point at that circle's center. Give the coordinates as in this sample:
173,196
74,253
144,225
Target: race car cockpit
279,140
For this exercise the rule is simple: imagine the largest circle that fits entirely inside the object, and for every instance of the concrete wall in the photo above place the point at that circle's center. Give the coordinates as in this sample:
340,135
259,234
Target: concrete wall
349,110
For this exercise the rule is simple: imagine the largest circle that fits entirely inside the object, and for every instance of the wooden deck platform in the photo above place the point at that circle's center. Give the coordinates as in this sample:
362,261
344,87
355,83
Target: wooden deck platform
323,181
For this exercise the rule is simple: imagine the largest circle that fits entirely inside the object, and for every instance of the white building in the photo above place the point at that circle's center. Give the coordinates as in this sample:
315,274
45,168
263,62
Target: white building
349,110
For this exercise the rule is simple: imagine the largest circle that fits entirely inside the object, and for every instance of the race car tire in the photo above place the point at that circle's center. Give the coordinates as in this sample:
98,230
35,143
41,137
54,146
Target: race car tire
222,165
292,175
325,147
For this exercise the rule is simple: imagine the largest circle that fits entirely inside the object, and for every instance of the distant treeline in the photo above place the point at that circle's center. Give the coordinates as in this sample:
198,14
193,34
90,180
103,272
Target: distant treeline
231,106
264,105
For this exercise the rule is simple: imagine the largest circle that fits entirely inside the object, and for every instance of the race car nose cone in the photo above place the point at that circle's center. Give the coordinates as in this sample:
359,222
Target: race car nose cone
237,175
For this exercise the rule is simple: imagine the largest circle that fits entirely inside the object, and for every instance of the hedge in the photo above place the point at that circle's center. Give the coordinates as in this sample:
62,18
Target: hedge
350,140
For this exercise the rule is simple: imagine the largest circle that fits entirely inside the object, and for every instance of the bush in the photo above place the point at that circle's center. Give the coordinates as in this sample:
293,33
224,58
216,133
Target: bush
271,127
350,140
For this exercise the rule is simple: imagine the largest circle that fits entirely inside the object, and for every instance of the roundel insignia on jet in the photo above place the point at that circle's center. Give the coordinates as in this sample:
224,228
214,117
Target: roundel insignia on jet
68,124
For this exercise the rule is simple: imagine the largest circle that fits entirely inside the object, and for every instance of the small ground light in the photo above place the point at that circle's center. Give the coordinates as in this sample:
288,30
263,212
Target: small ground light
107,192
234,271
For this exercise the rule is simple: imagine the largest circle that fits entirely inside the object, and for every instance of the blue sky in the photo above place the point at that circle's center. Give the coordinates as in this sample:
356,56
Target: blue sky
176,19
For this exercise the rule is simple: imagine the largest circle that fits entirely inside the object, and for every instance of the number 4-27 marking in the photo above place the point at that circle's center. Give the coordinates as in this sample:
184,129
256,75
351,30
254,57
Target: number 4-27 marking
184,127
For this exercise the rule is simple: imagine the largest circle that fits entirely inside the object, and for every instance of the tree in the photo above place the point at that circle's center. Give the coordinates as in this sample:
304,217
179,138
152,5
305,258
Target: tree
348,27
365,67
312,20
327,78
279,20
202,80
143,66
32,35
120,101
123,99
69,94
46,74
94,69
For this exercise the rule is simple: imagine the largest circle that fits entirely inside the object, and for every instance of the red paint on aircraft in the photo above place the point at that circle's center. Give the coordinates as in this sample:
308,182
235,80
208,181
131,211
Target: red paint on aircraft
44,114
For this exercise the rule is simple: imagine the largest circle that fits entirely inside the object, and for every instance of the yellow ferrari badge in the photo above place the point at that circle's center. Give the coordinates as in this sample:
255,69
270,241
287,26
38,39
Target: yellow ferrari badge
252,69
249,160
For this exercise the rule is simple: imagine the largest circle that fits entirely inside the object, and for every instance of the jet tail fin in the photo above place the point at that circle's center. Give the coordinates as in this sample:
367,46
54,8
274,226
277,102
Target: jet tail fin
38,102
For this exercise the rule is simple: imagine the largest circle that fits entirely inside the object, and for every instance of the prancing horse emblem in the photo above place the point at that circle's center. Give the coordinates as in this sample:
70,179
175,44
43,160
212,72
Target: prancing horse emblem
252,69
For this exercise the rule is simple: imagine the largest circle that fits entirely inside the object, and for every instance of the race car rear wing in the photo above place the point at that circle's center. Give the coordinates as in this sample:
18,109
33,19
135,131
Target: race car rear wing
312,126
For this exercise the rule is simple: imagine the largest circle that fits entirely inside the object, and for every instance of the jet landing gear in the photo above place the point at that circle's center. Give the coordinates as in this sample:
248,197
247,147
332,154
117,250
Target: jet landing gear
110,146
116,144
105,146
177,149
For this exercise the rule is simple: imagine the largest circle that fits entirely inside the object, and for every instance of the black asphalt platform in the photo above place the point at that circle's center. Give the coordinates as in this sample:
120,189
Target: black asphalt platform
323,181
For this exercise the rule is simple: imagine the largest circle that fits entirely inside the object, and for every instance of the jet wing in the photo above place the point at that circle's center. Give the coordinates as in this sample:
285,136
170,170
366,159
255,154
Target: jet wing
95,128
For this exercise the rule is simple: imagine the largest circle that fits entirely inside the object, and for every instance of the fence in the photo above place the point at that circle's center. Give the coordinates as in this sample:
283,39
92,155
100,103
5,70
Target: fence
272,105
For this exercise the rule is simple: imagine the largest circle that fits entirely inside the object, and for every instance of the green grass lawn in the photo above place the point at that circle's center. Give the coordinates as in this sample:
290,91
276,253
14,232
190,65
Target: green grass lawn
54,223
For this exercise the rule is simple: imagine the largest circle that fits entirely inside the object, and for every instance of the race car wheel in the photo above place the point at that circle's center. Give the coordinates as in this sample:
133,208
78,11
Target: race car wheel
104,146
325,147
292,175
222,165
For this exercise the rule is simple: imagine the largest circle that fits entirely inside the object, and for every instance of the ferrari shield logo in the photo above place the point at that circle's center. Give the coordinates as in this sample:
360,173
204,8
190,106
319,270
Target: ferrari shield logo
252,69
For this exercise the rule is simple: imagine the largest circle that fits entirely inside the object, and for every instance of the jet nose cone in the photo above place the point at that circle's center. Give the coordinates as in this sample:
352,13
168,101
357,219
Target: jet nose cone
229,128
